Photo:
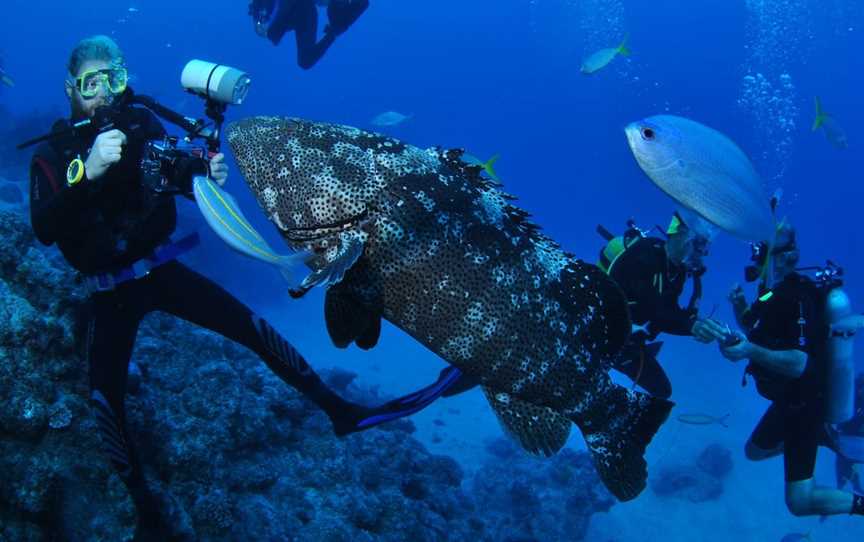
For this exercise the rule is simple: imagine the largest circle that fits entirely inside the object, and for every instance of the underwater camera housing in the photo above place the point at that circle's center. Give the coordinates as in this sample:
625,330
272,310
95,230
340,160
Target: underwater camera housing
169,165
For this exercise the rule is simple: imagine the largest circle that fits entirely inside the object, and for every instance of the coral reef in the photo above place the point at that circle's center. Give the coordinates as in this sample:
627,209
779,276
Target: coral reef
545,499
700,481
241,455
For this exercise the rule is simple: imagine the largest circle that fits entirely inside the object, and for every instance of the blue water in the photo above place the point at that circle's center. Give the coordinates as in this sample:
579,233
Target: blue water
502,76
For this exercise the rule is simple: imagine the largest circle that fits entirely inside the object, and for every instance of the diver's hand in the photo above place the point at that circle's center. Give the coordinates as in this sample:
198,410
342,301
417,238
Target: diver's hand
708,330
107,150
737,298
219,169
736,347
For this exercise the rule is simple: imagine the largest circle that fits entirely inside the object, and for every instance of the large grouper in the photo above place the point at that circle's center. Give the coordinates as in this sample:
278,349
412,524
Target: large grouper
418,237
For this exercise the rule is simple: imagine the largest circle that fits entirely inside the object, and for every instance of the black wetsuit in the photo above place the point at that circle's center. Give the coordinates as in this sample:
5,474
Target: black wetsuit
653,285
301,16
106,224
791,317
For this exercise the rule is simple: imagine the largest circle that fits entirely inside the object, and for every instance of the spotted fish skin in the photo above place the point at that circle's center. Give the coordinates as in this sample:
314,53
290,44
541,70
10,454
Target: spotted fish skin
450,260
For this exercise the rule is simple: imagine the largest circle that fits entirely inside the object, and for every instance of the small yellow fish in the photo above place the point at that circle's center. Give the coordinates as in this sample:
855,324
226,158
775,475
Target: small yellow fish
603,57
487,165
833,132
703,419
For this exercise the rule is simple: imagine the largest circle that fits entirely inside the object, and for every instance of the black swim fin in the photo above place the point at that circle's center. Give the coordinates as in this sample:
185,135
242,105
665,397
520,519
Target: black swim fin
341,14
401,407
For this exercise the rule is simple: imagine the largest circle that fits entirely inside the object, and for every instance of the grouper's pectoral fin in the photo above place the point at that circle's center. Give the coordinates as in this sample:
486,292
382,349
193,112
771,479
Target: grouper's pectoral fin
369,338
539,430
350,250
349,321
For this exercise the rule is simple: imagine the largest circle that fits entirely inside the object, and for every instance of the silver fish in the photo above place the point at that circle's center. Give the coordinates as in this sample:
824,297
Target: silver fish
600,59
704,171
390,118
419,238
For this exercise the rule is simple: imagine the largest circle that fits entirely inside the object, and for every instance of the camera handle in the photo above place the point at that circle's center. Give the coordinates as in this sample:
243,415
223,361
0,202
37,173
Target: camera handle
195,128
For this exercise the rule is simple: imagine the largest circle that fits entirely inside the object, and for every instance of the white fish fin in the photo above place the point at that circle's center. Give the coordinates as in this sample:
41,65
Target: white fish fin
334,272
288,262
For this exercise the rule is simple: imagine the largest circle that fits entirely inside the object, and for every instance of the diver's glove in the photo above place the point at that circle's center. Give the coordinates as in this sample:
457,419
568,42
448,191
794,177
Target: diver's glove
106,151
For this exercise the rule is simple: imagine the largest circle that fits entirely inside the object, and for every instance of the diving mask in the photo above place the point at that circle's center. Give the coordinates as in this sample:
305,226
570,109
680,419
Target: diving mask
114,80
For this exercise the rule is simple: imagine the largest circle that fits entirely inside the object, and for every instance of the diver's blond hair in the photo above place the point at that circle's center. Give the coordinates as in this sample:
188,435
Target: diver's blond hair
99,47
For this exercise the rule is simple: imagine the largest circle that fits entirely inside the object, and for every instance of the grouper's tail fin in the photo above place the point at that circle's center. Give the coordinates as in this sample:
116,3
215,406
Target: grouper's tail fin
617,436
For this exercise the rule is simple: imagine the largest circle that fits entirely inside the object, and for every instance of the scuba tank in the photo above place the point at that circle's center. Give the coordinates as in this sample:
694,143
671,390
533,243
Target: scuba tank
840,362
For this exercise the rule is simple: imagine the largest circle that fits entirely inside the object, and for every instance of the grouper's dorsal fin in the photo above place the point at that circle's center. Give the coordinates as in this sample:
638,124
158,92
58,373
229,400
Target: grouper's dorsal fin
539,430
349,321
471,173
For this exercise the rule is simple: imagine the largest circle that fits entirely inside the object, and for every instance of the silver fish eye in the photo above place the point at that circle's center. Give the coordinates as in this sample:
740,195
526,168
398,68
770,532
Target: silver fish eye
648,134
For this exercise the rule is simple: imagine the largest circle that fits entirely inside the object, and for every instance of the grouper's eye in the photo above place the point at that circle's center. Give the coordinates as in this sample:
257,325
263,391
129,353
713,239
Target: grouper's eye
648,134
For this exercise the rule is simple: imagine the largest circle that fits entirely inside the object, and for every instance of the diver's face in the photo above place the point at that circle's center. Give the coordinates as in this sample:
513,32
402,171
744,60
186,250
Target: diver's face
86,107
686,249
784,262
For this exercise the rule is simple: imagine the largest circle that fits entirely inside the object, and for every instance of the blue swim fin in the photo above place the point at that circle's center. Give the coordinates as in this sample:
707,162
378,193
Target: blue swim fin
406,405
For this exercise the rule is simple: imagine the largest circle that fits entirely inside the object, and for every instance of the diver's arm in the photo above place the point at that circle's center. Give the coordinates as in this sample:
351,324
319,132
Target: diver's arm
55,207
790,363
672,319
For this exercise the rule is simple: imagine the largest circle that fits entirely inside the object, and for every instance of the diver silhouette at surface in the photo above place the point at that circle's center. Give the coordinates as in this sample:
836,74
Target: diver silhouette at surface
274,18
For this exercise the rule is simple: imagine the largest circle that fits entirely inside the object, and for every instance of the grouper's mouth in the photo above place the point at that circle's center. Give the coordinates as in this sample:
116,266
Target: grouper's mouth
322,231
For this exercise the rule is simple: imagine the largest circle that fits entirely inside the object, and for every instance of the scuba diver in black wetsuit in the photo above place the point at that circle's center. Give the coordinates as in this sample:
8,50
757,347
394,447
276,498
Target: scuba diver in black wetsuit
788,342
273,18
88,197
653,272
